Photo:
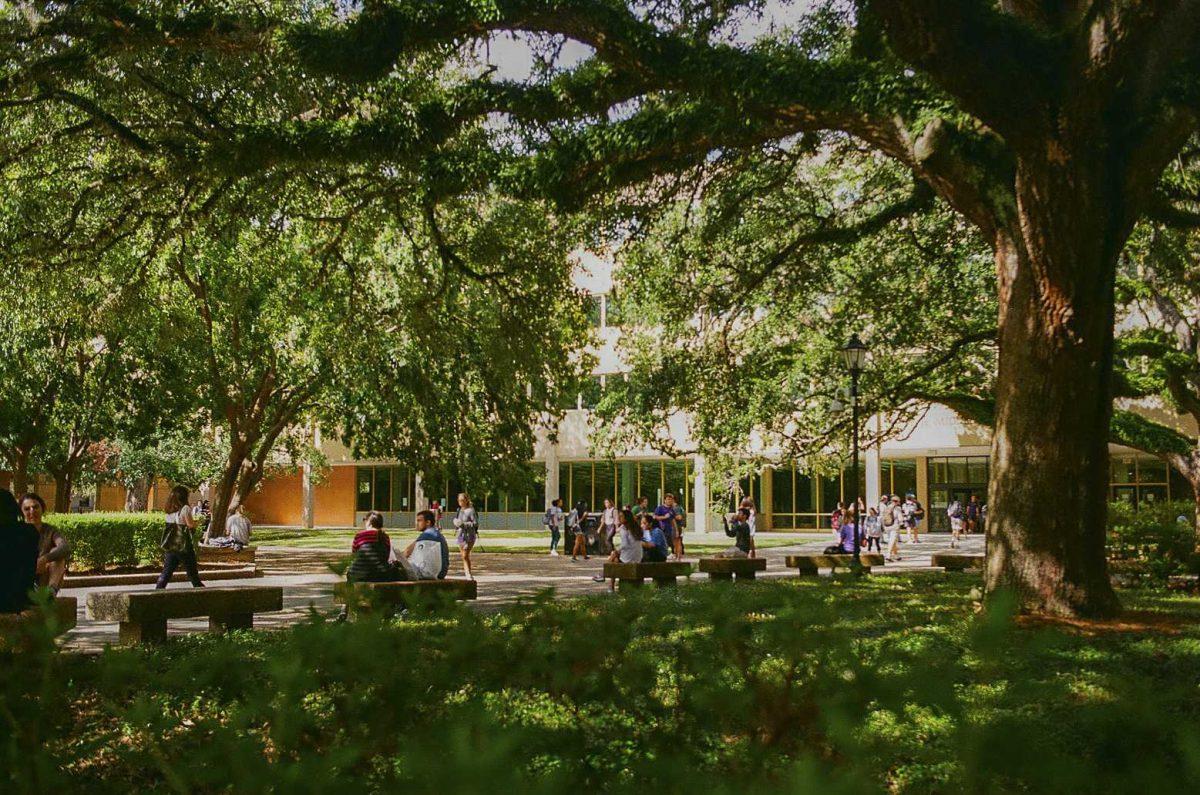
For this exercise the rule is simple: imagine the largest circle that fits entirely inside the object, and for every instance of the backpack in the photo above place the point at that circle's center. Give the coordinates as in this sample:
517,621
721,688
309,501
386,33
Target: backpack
955,510
548,519
889,516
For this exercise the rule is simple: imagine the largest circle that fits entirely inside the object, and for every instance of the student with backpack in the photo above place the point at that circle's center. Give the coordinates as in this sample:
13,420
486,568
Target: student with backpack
914,514
955,513
553,522
892,520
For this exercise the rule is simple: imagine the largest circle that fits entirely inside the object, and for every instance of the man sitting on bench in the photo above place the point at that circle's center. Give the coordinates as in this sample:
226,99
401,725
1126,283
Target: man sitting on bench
427,558
737,527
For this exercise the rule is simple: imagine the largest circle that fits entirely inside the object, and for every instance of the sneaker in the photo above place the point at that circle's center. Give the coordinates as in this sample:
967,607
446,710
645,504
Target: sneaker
554,552
598,578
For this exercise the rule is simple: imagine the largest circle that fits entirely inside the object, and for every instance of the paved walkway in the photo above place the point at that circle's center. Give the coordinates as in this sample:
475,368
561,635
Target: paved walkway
503,578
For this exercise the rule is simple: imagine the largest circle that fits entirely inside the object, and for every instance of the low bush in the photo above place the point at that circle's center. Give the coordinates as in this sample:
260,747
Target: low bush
1151,542
885,684
101,540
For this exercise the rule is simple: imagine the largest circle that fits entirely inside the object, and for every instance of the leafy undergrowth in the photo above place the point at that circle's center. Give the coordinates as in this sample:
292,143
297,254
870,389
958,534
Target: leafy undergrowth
884,684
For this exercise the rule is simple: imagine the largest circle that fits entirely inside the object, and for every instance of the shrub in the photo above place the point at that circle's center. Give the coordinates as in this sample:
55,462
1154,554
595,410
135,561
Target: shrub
101,540
1151,542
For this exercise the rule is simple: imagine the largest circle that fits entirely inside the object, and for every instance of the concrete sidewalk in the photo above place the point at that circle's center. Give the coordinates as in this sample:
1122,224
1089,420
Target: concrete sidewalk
503,578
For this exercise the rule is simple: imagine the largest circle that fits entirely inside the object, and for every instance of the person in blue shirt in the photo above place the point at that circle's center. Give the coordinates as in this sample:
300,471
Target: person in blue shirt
665,518
846,532
654,541
429,554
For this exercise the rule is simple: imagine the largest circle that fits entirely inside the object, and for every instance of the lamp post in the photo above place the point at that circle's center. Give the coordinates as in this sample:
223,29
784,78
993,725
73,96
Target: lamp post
855,355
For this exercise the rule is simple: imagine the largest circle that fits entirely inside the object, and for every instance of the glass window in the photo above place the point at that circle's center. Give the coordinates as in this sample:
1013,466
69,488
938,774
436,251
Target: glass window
1124,469
383,488
581,483
564,484
783,521
1148,495
1152,470
604,483
402,490
1125,494
977,470
904,476
362,501
650,473
831,492
612,310
937,473
957,471
782,493
675,481
806,493
592,390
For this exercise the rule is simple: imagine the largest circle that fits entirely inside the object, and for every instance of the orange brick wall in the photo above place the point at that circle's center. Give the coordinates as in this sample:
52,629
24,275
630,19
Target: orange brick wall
279,500
333,500
112,498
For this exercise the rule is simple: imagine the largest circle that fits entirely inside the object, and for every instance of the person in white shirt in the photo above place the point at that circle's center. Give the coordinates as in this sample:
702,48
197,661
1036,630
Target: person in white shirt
237,527
630,536
553,522
177,544
609,522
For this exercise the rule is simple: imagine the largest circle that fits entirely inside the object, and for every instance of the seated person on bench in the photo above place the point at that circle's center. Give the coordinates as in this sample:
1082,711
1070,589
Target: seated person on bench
737,527
846,533
372,554
18,563
654,541
427,558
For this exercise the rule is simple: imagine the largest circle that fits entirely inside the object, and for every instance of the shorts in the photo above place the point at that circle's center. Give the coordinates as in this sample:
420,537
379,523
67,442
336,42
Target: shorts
467,537
956,524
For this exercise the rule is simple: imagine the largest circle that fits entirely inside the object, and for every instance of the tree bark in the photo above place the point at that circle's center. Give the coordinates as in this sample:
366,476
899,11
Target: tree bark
20,475
64,484
137,495
1049,479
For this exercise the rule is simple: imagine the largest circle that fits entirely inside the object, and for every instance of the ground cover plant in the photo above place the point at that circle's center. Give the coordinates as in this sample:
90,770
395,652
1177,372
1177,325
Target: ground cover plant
848,685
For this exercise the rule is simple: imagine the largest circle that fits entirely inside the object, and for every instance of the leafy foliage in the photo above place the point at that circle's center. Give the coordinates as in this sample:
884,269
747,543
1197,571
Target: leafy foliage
100,540
893,683
1150,541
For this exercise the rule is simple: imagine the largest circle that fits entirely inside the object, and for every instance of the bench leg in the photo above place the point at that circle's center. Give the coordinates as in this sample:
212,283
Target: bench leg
223,623
664,582
629,583
748,575
720,576
807,570
132,632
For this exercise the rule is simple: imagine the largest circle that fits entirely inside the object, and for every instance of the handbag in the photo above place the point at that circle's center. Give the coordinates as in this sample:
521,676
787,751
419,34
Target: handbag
176,538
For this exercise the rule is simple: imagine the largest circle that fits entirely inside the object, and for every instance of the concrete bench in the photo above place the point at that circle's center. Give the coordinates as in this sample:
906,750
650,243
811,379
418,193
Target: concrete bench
13,625
953,561
143,615
225,554
727,568
1188,583
633,574
809,564
362,596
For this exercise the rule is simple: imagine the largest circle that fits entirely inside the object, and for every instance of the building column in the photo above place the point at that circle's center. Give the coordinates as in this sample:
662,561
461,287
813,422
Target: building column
419,501
552,484
872,461
700,494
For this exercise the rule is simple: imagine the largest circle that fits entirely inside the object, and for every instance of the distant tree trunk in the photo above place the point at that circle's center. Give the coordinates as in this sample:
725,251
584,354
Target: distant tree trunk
137,495
19,482
225,487
1049,476
1189,466
64,485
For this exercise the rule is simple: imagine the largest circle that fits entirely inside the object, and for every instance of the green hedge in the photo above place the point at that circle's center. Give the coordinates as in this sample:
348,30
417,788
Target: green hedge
1150,542
111,539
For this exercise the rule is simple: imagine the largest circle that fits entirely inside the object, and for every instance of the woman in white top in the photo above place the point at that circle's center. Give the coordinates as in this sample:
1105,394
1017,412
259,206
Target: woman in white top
748,504
630,534
177,545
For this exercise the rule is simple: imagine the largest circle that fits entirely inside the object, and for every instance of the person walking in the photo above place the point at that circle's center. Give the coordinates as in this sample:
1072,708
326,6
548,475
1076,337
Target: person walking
914,514
553,521
177,544
609,521
54,551
577,522
466,520
892,520
954,511
974,514
873,529
752,520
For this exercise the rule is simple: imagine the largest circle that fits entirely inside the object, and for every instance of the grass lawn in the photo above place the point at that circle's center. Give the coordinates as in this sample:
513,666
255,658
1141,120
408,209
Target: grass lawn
841,685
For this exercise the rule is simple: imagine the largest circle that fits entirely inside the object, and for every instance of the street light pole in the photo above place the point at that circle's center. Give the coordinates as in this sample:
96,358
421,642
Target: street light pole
855,354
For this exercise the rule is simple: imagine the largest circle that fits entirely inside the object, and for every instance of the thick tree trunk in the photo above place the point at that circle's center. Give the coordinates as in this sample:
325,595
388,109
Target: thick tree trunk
137,495
1049,480
223,491
19,483
64,484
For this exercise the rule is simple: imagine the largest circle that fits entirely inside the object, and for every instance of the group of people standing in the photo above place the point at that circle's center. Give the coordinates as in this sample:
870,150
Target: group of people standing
887,523
36,554
601,531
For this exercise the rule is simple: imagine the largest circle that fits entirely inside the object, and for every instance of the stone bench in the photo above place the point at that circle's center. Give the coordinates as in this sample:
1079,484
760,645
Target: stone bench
953,561
809,564
1188,583
727,568
225,554
143,615
362,596
13,625
633,574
